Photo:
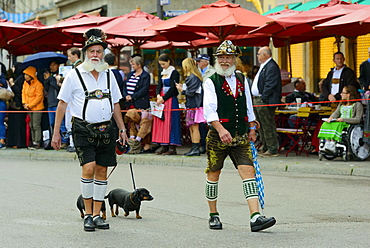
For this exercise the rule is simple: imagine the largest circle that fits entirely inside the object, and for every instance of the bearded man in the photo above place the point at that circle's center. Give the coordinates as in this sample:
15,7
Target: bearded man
93,94
229,111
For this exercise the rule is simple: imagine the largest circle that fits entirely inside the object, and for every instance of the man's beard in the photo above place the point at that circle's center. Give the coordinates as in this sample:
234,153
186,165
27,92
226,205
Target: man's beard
99,66
228,72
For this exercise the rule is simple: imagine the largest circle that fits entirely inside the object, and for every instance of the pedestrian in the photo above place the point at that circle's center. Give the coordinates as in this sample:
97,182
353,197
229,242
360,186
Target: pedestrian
365,73
193,91
74,56
337,78
206,71
110,58
167,131
229,111
16,137
266,91
3,106
52,84
33,100
92,91
136,96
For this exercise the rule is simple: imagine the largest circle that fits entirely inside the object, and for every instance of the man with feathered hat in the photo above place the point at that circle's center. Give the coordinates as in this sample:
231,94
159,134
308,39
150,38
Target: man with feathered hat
228,110
93,94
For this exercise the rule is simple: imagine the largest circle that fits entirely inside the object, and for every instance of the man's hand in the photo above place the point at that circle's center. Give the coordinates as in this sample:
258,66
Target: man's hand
331,97
56,141
123,137
252,135
225,136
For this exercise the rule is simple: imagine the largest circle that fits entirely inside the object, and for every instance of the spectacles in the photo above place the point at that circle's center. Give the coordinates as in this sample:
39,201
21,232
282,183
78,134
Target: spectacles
259,54
345,93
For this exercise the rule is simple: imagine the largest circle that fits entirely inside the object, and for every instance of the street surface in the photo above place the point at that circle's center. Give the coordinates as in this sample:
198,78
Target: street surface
312,210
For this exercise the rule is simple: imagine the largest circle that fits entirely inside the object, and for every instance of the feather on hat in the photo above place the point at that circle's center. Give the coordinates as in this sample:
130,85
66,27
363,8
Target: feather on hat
95,36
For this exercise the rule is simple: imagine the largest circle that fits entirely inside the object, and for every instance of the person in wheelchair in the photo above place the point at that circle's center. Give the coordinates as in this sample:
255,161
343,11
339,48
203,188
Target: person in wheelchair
348,112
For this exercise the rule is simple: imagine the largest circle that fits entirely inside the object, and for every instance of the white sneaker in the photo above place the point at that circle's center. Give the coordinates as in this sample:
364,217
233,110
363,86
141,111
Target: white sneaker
331,146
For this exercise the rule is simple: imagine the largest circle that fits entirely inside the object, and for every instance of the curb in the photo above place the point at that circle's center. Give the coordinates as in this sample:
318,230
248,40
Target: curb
292,163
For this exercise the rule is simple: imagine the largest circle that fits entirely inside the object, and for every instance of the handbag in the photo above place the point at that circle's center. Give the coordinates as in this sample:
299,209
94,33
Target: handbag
6,95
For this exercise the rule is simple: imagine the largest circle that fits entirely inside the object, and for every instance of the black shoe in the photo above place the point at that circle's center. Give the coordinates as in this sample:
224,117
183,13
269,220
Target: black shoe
100,223
262,223
89,225
202,150
214,222
71,149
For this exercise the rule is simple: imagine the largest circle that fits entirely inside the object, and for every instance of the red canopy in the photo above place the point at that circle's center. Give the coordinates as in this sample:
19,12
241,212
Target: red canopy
130,27
299,27
354,24
53,37
221,19
9,31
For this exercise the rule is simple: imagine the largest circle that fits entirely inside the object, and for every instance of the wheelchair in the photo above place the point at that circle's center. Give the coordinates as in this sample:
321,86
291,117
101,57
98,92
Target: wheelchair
352,145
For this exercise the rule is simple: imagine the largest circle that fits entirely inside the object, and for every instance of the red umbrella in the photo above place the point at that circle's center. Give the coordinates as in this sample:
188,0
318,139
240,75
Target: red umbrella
36,23
354,24
282,13
130,26
53,37
299,27
221,19
9,31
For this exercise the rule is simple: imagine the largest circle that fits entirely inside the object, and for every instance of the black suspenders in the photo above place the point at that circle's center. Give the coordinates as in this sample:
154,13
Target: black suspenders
87,93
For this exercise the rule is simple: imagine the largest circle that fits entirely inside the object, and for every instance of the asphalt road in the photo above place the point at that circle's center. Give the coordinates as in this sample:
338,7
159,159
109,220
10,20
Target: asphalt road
38,202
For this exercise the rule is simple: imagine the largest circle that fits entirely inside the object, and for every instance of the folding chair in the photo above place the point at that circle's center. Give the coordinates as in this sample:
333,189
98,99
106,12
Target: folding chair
298,135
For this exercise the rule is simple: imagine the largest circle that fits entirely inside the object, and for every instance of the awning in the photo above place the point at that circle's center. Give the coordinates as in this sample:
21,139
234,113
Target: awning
310,5
281,7
363,2
15,18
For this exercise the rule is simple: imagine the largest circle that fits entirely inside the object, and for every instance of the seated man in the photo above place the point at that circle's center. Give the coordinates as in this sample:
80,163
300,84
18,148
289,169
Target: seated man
337,78
300,92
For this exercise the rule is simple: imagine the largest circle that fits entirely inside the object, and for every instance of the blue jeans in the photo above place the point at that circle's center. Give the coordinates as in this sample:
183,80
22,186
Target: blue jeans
2,117
63,128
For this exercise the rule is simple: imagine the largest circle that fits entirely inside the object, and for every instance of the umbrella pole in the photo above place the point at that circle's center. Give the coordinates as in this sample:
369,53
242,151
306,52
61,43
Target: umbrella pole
353,45
338,42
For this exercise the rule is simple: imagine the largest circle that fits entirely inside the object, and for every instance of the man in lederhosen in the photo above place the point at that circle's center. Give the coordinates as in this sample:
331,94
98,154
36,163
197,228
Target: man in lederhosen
229,111
92,93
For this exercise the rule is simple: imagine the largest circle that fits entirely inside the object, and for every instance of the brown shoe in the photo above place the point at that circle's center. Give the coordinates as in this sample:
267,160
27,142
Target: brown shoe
268,154
171,151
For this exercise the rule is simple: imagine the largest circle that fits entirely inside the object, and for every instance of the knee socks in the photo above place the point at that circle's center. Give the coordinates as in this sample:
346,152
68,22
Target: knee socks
100,187
87,188
250,188
92,188
211,190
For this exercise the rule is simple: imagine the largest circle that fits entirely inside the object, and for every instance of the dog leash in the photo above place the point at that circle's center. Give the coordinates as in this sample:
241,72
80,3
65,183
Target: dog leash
110,173
132,176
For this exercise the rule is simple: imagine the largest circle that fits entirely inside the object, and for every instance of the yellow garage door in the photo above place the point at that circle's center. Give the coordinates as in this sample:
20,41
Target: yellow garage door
363,43
296,51
327,48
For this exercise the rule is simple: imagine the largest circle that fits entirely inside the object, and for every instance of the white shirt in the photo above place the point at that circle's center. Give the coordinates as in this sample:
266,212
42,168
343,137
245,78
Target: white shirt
210,99
336,74
97,110
255,91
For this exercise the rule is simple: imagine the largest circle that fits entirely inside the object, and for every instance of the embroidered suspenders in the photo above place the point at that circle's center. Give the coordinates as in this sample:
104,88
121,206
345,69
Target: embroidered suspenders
97,94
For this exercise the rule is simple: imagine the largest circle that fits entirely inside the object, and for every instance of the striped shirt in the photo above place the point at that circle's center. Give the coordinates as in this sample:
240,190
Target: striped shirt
131,84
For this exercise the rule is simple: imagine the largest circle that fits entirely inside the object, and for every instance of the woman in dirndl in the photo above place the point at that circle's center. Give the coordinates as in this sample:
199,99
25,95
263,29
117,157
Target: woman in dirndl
167,130
348,112
193,91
